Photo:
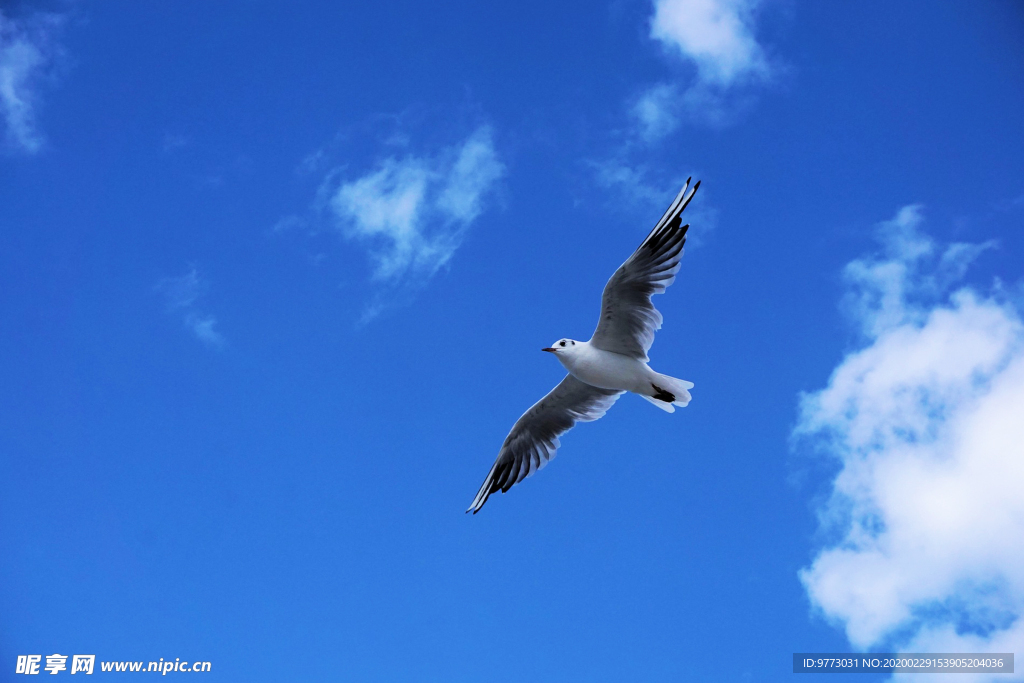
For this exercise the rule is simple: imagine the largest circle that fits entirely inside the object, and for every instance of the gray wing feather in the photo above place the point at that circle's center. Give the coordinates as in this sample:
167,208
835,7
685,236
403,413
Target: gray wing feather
628,318
534,437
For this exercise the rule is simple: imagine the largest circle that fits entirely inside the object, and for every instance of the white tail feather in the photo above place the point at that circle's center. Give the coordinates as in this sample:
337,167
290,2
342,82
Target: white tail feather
677,387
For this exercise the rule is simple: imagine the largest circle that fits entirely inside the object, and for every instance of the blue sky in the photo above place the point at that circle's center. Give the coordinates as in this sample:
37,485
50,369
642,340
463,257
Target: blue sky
274,278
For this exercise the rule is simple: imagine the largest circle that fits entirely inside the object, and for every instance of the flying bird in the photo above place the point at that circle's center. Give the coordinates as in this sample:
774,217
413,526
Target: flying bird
613,362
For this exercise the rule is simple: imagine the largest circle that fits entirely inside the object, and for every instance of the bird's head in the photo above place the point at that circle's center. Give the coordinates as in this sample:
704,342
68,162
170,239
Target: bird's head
562,347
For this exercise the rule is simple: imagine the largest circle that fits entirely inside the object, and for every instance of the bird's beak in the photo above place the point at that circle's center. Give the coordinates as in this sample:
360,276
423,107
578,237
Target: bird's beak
549,350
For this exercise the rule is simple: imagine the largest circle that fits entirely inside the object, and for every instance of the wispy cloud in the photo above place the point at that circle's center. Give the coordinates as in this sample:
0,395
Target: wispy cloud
656,113
411,212
27,48
639,191
180,294
630,182
885,288
717,38
924,420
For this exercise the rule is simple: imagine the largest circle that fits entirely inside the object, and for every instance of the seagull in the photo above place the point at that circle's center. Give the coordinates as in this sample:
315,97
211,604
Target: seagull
613,362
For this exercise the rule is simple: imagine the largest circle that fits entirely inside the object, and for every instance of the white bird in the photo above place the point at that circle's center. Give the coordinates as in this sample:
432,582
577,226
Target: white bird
612,362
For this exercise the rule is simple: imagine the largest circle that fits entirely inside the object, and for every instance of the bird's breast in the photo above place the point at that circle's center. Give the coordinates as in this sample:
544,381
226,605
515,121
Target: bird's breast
607,370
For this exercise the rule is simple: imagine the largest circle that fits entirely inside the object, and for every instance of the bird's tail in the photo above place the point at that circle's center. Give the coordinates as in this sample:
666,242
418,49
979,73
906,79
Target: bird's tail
667,392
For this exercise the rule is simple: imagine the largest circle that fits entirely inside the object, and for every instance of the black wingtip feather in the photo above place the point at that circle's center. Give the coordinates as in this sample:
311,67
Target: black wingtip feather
656,237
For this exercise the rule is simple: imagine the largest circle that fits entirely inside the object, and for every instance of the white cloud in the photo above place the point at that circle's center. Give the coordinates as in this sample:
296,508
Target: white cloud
655,112
717,37
202,327
885,290
181,294
630,182
926,422
26,50
413,211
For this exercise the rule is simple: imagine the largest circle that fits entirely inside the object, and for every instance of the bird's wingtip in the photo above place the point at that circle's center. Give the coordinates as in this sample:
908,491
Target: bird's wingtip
477,503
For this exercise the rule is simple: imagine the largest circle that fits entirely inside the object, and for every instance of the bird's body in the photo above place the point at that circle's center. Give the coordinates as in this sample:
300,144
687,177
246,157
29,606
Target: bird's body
605,369
614,361
609,370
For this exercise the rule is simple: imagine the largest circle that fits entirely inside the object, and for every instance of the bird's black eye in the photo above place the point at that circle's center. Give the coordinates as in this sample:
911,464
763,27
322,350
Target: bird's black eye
573,343
561,343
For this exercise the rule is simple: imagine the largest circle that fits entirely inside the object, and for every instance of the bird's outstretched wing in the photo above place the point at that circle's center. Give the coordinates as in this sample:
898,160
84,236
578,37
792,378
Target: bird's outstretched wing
628,318
534,437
